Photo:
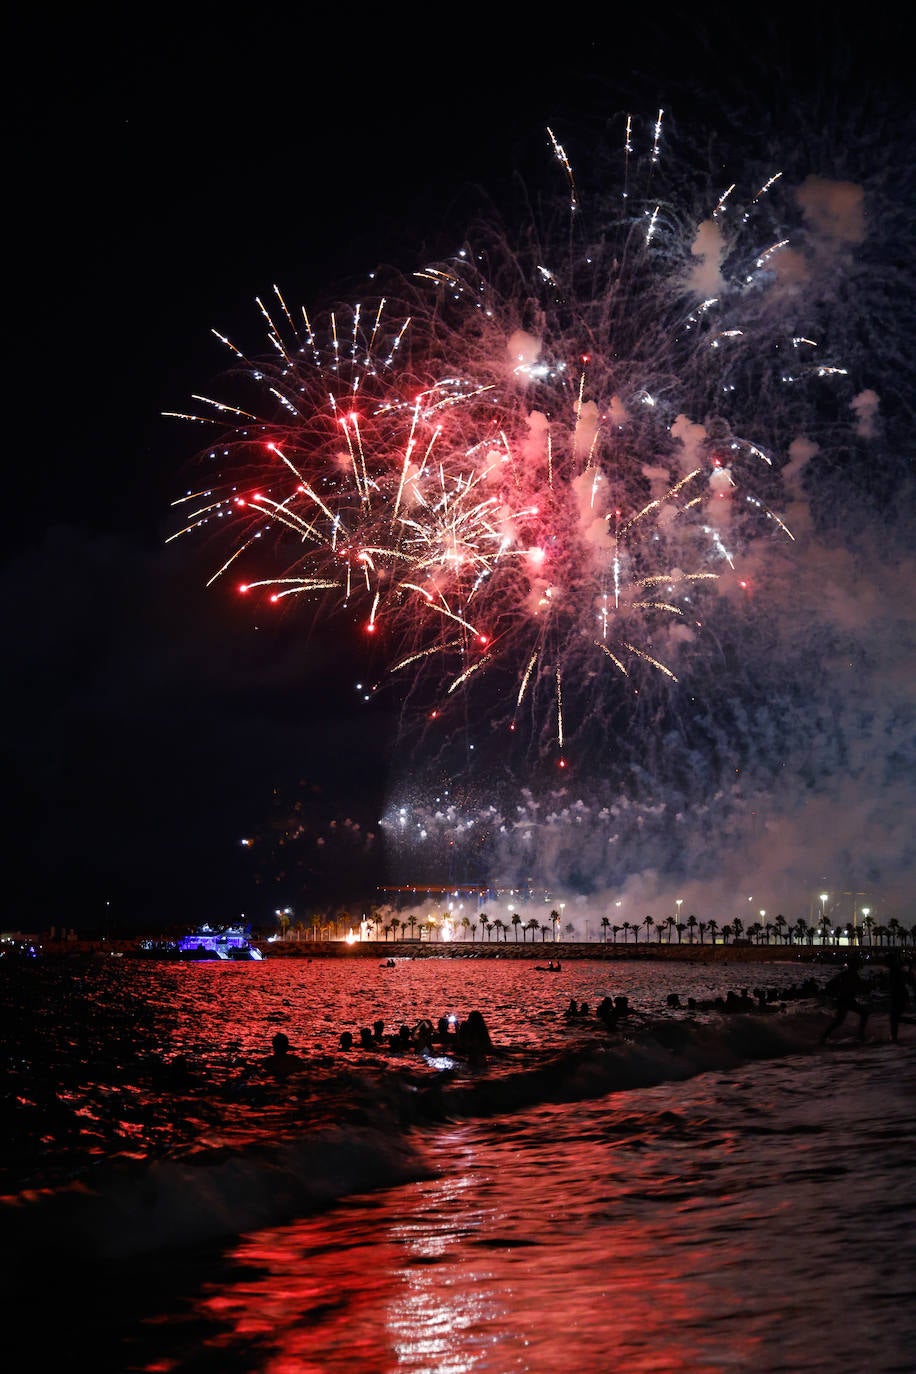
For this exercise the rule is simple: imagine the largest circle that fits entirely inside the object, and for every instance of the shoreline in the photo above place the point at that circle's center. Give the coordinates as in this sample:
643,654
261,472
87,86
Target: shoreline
572,951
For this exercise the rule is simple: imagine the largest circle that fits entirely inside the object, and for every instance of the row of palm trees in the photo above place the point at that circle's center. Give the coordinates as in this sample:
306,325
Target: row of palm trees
779,931
667,930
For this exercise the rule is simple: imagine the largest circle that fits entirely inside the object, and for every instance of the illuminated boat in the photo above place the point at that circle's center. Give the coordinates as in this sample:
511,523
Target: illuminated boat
207,942
227,942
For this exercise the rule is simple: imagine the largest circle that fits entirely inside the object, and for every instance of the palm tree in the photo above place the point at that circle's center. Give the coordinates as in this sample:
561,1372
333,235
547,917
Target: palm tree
825,924
780,924
555,922
692,924
499,925
626,927
712,926
516,921
465,925
412,922
532,925
648,922
605,924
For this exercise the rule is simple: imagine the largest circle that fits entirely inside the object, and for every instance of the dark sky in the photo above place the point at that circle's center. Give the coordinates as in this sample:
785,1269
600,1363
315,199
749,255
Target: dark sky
158,179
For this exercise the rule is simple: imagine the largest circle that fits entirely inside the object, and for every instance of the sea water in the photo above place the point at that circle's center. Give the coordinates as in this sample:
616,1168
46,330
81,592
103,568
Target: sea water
693,1190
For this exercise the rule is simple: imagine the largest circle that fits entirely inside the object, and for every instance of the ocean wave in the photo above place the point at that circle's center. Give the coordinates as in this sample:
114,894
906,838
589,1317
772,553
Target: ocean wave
129,1210
171,1204
657,1052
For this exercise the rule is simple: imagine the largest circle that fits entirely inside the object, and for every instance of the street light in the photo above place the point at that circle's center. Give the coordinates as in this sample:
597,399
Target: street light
824,896
679,903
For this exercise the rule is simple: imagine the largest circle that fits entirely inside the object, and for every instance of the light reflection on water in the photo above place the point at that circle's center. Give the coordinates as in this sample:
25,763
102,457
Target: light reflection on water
91,1046
754,1221
221,1013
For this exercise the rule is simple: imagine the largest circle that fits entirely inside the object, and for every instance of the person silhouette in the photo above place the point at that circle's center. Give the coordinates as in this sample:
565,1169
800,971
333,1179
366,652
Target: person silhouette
900,981
846,989
282,1062
473,1036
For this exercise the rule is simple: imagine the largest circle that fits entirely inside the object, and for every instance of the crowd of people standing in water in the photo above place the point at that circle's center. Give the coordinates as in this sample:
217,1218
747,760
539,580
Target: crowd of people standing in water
848,991
469,1037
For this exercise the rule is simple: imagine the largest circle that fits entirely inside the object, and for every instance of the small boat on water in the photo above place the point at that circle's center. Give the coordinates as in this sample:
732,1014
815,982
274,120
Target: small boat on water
207,942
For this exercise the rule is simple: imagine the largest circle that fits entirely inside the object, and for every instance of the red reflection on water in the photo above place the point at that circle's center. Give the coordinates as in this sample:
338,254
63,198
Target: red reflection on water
498,1265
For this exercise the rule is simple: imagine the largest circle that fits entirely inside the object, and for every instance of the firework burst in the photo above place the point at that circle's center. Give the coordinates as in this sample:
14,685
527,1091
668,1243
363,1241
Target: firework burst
518,472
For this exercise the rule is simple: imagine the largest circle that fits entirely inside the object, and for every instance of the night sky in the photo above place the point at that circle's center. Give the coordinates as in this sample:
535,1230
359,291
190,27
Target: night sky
158,181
